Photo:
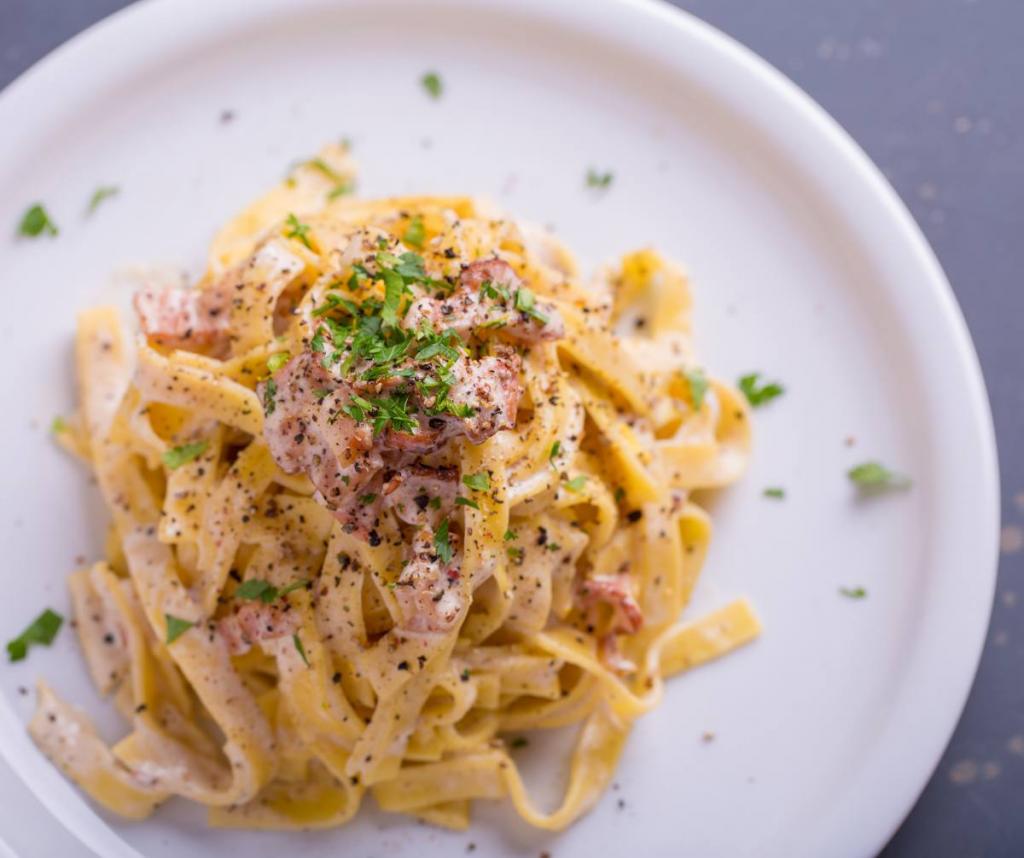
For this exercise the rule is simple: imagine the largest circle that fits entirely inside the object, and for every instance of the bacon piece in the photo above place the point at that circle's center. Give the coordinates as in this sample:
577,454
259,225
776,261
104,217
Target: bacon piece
472,308
429,593
254,622
178,318
612,657
306,431
612,590
420,495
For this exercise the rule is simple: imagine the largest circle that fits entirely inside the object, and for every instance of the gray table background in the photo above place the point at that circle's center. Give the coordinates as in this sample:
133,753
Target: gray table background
934,91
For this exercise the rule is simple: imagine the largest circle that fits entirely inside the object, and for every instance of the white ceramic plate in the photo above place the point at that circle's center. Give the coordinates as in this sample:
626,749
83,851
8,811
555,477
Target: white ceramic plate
805,266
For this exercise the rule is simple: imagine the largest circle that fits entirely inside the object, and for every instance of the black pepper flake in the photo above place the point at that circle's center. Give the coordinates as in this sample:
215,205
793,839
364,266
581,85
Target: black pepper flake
403,665
635,515
374,538
140,708
336,678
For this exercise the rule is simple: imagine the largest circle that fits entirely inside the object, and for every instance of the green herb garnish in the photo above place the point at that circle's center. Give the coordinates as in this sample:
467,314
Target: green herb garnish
698,383
461,501
176,627
58,425
853,592
276,361
576,484
269,397
183,454
36,222
415,234
759,395
104,192
873,477
299,648
478,482
431,82
298,230
774,492
525,303
556,448
442,544
42,630
599,180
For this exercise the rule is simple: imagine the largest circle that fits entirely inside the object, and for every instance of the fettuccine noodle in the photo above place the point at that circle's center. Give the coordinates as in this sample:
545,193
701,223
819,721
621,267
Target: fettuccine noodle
388,486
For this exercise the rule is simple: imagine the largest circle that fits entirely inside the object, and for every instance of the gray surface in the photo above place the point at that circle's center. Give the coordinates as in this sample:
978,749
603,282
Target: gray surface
934,91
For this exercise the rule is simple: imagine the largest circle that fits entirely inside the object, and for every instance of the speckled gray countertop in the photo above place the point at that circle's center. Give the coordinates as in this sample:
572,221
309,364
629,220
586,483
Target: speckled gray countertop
934,91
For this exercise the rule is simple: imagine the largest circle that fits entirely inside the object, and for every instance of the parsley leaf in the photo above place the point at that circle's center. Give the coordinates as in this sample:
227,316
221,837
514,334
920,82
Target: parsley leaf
698,383
774,492
276,361
58,425
431,82
269,394
298,230
255,589
759,395
873,476
415,234
183,454
36,222
556,448
441,543
176,627
343,188
394,287
478,482
461,501
576,484
525,303
853,592
104,192
325,168
299,648
42,630
599,180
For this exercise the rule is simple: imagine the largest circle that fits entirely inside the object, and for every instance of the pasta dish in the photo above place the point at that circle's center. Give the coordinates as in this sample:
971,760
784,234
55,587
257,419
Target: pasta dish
389,486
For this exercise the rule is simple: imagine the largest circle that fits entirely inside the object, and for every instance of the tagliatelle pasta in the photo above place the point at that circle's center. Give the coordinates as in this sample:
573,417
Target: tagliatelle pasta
387,486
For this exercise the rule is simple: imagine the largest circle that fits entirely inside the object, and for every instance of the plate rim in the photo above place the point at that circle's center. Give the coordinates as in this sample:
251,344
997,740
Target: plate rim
830,138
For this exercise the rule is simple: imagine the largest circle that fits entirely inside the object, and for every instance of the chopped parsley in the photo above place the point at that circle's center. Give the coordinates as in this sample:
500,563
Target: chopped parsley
183,454
441,543
556,448
269,397
478,482
576,484
756,393
461,501
510,535
102,193
873,477
596,179
343,188
276,361
853,592
525,303
42,630
698,383
774,492
298,230
58,425
176,627
256,589
322,166
415,234
36,222
431,82
515,554
620,494
299,648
